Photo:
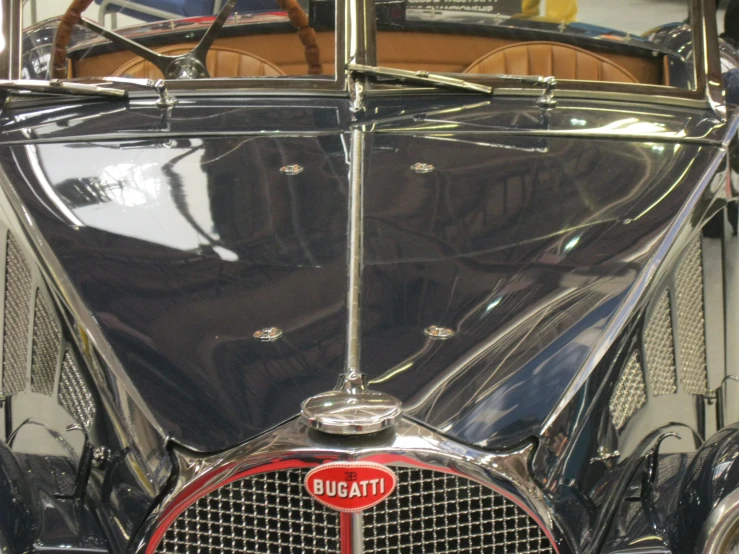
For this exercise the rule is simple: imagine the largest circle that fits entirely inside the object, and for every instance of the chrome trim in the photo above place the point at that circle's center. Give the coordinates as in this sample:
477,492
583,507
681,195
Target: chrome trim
411,445
292,169
353,374
420,167
343,412
434,332
708,63
268,334
357,533
719,523
11,28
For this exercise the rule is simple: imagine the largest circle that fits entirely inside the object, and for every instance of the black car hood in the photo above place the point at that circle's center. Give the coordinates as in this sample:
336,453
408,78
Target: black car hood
184,246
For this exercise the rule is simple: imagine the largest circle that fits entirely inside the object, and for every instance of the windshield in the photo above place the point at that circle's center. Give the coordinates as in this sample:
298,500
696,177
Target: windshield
174,39
634,41
637,42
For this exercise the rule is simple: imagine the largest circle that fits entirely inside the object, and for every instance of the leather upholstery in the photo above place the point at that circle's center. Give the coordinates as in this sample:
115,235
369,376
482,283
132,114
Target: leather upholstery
221,62
550,58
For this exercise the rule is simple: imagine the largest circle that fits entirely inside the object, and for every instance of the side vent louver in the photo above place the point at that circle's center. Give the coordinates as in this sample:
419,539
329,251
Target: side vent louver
659,349
26,295
673,341
691,320
17,310
630,393
74,395
45,350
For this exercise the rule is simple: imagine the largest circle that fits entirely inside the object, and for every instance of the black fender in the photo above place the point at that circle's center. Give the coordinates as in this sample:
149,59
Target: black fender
711,477
17,516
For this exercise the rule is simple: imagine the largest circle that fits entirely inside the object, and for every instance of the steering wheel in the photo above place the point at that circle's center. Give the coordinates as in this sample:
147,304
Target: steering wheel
187,66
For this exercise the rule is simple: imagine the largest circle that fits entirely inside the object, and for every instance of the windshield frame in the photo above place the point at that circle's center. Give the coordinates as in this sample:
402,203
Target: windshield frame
708,92
355,41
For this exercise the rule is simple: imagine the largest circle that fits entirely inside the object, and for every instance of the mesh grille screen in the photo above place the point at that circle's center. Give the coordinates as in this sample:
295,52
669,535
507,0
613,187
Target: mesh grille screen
429,511
659,349
630,393
74,395
690,320
17,310
267,513
46,344
432,511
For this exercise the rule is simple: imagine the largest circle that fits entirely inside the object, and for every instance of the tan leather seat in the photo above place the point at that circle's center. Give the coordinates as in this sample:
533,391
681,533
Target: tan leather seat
550,58
221,62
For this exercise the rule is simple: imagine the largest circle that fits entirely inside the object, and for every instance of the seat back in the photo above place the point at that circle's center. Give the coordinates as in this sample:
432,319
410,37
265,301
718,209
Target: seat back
220,62
550,58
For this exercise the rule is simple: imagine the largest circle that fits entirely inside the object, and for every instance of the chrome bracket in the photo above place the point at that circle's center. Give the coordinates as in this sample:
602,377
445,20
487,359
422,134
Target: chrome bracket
546,100
716,396
605,455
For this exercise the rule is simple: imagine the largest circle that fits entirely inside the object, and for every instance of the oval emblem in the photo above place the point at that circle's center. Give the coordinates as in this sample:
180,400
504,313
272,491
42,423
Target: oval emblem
350,486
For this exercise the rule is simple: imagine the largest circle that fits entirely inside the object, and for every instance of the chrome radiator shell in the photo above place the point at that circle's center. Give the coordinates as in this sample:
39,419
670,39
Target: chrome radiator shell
411,446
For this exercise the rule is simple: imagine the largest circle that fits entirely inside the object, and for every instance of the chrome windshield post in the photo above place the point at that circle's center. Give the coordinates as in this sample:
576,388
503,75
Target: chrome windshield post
10,41
707,62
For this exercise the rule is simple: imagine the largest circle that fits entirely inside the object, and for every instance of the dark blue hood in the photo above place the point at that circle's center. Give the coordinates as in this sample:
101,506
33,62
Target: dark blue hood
523,240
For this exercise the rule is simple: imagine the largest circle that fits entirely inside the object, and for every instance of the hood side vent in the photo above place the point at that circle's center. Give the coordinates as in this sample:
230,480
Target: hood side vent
46,346
630,393
659,349
691,337
33,335
74,396
17,312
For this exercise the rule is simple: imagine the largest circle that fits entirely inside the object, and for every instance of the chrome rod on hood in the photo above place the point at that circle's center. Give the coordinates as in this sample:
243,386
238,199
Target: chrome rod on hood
353,380
352,409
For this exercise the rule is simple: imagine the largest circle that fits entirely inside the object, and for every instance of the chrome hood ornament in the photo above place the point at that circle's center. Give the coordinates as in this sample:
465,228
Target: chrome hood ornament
352,409
341,412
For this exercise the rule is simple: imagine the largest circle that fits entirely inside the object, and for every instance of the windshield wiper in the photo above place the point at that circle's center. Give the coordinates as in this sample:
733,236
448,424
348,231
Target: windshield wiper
389,74
166,100
57,87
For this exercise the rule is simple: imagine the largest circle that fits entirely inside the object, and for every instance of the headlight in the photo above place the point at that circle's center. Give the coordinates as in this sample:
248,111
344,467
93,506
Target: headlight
721,531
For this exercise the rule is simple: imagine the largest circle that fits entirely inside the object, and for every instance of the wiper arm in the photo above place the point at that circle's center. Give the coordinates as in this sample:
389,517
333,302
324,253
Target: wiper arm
546,99
55,86
166,100
419,77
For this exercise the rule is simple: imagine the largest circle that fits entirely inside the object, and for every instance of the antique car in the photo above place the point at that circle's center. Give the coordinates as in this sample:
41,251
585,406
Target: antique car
390,276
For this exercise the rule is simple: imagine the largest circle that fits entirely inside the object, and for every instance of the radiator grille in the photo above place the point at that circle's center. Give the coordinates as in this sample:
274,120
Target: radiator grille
630,393
438,512
659,349
74,396
690,320
429,511
46,344
267,513
17,310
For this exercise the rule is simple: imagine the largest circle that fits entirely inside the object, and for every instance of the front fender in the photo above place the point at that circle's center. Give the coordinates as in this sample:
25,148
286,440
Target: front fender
711,482
17,519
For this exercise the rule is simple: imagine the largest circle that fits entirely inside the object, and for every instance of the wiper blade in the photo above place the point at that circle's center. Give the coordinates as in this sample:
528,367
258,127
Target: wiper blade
55,86
548,84
419,77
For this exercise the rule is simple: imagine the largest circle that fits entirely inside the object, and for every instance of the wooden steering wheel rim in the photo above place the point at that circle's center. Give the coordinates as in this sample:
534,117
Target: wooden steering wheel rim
63,35
73,15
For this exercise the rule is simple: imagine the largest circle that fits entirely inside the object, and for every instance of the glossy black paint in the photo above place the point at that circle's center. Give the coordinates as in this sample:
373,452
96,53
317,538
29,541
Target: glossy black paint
18,516
711,476
191,243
